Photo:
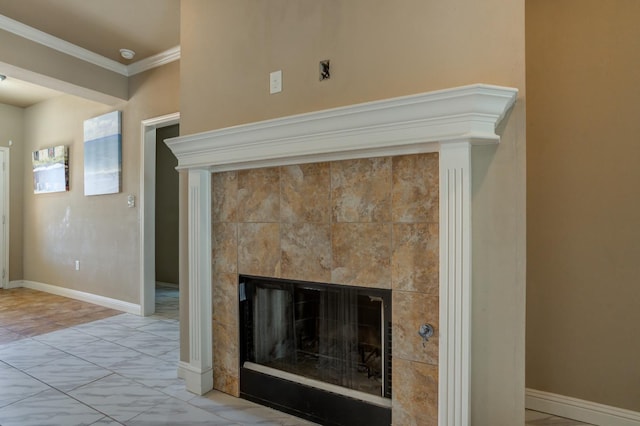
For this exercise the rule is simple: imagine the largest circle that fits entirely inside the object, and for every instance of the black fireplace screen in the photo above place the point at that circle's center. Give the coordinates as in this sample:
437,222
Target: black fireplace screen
335,334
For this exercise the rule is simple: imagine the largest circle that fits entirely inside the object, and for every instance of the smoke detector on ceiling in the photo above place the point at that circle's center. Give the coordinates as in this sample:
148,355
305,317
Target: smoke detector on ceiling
127,53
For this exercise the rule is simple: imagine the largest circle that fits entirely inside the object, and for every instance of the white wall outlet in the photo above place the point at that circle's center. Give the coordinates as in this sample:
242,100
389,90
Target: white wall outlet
77,265
275,82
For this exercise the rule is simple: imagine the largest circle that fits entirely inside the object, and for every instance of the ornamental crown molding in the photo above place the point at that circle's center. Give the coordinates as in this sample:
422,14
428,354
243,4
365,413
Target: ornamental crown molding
63,46
404,125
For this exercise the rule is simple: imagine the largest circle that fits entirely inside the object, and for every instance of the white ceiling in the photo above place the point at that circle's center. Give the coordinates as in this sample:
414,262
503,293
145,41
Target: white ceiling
148,27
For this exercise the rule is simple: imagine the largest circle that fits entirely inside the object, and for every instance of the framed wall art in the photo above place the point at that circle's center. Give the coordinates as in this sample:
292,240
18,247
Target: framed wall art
50,169
103,154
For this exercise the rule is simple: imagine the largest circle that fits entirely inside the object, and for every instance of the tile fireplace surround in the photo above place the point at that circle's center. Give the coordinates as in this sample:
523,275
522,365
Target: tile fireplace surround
373,195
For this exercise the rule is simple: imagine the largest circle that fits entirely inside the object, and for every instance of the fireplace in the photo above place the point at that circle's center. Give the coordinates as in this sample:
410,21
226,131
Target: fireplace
249,192
304,341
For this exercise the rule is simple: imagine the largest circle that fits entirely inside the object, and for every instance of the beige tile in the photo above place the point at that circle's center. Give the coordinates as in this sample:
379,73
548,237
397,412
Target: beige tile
415,393
224,248
306,251
225,298
361,190
226,357
415,188
259,195
361,254
306,193
415,257
259,249
409,312
224,197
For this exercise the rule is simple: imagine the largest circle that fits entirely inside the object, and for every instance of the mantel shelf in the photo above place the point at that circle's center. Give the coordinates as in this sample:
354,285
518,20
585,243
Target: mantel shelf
404,125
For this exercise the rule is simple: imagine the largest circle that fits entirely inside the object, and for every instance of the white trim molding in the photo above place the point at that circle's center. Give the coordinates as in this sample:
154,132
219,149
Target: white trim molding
107,302
199,375
454,373
147,202
581,410
405,125
445,121
5,212
63,46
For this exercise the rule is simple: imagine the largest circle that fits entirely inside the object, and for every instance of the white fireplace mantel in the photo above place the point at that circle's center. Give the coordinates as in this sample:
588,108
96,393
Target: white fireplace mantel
446,121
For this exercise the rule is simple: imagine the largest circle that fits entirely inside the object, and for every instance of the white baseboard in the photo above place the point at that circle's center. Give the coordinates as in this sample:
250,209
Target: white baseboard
581,410
107,302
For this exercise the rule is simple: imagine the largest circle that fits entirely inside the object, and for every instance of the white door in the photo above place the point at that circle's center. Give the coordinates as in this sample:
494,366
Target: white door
4,217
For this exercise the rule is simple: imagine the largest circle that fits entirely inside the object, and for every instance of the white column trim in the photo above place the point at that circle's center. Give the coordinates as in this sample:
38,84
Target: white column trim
455,285
199,374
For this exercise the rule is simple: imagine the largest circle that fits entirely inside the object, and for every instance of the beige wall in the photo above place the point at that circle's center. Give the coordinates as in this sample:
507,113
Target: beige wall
100,231
11,129
583,232
381,49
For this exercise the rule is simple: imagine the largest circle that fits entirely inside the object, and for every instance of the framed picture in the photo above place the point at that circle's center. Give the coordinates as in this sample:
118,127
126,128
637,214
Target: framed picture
103,154
50,170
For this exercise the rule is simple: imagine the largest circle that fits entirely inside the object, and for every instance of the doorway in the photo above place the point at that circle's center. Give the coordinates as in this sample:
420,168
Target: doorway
150,129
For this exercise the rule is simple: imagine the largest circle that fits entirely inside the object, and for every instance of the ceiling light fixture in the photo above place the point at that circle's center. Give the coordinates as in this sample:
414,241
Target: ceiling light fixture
127,53
2,77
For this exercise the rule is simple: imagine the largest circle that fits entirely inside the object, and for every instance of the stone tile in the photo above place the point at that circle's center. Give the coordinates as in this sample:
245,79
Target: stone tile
415,259
415,188
361,254
167,329
305,193
149,371
259,249
409,311
27,353
226,355
224,197
104,353
259,195
176,412
148,343
536,418
306,251
118,397
226,381
16,385
67,373
224,248
415,401
50,407
361,190
225,298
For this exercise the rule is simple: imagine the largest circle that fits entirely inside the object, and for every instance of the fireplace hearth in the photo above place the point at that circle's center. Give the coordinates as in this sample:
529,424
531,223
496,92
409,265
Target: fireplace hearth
319,351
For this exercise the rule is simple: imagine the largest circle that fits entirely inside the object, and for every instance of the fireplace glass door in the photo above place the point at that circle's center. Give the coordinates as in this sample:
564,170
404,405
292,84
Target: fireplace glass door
333,334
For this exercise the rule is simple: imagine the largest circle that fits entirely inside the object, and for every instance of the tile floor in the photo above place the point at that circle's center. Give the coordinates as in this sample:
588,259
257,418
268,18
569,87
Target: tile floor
534,418
65,362
118,370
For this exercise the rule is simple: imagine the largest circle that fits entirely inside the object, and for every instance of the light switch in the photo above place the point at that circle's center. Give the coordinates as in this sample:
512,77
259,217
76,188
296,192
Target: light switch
131,201
275,82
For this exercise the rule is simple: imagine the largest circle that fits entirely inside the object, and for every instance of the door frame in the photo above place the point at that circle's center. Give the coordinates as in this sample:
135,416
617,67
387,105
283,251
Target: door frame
4,271
147,203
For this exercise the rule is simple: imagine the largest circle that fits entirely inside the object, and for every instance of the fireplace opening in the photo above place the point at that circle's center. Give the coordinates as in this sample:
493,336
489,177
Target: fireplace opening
310,348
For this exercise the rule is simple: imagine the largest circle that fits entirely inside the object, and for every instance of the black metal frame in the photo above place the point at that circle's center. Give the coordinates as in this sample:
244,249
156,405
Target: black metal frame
304,401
